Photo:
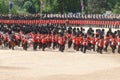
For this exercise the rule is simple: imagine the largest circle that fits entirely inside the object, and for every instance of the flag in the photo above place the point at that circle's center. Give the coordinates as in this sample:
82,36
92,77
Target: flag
10,4
82,5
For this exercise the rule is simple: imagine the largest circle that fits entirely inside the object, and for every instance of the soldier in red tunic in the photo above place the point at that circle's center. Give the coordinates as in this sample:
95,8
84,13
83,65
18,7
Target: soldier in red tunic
61,42
85,43
77,42
69,39
24,43
100,45
118,40
73,41
39,40
113,43
92,42
106,42
44,42
81,41
4,38
49,40
34,40
54,40
17,39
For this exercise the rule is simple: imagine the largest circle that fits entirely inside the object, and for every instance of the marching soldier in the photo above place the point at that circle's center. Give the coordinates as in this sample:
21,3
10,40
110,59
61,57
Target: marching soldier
100,45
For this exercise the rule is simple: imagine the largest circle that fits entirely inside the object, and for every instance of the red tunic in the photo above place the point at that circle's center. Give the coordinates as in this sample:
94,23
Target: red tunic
73,39
67,36
4,38
53,39
81,40
49,39
38,38
16,37
100,43
24,41
96,41
77,40
92,41
61,41
56,38
113,42
118,40
34,38
85,42
106,40
44,40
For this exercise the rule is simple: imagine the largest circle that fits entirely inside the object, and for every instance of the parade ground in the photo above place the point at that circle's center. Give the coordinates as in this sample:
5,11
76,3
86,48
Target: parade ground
59,40
54,65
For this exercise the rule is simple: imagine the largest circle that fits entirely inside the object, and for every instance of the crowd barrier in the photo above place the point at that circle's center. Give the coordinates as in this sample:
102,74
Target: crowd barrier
72,22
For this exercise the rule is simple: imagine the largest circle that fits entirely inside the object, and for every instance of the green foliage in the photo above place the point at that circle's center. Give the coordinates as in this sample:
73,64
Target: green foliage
59,6
4,8
27,5
19,3
117,8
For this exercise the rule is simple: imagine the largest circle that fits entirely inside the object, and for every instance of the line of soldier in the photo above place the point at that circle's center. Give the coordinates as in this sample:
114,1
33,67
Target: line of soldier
110,17
58,36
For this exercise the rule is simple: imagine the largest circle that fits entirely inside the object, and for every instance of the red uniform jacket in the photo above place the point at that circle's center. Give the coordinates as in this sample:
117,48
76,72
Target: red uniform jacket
77,41
4,37
81,40
34,38
113,42
38,38
85,42
8,38
106,40
24,41
118,40
100,43
73,40
61,41
96,41
92,41
69,37
44,40
16,37
49,39
53,39
56,38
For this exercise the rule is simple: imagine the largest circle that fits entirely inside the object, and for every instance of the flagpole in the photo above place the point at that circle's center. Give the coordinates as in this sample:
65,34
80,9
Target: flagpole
10,7
82,6
41,6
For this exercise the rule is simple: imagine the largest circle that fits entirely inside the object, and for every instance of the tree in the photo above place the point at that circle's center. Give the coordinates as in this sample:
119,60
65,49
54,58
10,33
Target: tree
59,6
4,8
36,5
116,9
95,6
73,6
28,5
19,3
